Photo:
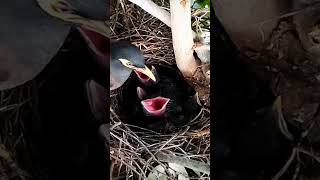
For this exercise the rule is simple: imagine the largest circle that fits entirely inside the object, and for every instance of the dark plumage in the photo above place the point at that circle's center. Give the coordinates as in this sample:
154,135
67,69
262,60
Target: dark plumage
69,143
119,73
30,37
115,60
67,138
170,84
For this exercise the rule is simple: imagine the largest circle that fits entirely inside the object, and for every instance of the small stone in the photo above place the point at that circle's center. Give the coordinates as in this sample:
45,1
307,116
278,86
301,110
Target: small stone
317,77
273,69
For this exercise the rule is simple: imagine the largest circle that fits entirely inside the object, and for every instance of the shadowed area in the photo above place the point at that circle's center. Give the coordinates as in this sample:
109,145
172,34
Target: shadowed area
24,45
248,142
70,146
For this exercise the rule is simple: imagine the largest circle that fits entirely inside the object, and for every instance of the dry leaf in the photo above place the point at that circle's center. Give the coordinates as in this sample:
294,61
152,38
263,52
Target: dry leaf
179,170
158,173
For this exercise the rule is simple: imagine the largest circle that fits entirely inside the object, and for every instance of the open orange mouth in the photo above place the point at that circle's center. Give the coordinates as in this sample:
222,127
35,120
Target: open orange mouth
146,79
142,76
155,106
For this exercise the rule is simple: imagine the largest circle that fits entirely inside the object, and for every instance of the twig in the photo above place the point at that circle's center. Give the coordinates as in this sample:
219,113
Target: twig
286,166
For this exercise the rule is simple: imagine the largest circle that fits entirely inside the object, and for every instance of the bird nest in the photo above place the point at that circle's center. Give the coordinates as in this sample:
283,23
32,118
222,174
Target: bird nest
135,152
16,109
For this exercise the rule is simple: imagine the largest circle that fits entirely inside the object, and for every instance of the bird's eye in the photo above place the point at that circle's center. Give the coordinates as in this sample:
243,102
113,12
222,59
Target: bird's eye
126,63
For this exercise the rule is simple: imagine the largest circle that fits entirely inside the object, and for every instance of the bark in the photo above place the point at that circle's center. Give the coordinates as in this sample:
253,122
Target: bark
183,46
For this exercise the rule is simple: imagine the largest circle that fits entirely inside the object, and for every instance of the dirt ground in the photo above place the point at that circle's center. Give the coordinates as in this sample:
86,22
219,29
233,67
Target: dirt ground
296,78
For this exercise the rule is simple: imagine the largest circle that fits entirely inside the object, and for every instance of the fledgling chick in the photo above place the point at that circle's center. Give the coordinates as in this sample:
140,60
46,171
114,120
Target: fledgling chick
169,100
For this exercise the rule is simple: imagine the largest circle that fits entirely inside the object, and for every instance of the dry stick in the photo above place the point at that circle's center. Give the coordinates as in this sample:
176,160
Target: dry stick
142,143
300,150
125,163
156,11
13,106
286,166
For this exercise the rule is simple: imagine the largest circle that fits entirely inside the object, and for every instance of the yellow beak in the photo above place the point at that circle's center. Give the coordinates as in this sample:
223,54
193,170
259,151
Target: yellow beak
145,70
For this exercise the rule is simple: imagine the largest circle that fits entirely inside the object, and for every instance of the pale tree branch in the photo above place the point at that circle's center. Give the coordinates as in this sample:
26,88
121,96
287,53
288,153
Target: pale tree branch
179,19
182,38
153,9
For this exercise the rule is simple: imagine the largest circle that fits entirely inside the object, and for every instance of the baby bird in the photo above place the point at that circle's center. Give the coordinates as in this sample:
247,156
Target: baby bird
168,102
161,105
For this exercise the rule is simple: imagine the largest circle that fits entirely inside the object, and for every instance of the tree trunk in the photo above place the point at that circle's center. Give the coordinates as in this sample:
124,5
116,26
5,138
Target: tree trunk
182,36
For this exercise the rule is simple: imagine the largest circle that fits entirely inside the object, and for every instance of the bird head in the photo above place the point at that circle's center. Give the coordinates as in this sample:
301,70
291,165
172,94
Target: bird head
143,73
125,58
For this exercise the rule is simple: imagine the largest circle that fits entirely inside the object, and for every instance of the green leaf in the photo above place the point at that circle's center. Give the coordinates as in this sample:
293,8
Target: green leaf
202,3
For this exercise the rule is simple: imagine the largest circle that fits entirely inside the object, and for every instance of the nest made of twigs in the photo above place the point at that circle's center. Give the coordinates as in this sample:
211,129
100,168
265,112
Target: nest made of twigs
16,112
134,153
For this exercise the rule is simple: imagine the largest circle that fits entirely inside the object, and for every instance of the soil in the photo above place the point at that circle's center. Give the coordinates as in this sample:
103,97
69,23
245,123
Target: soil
296,78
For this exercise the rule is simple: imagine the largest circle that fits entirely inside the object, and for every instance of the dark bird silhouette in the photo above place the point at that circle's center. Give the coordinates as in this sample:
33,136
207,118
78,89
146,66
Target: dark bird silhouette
24,54
69,142
85,88
162,105
66,136
124,59
72,69
30,37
